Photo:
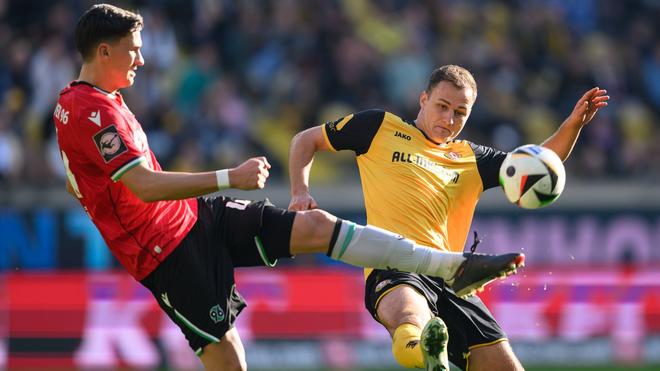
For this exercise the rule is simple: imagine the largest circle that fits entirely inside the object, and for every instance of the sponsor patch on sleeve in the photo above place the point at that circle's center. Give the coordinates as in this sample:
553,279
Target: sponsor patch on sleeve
109,143
339,124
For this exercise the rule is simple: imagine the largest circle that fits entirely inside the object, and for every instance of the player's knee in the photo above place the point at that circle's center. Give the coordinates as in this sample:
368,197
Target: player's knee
218,356
403,305
237,366
225,363
315,225
234,365
319,217
416,318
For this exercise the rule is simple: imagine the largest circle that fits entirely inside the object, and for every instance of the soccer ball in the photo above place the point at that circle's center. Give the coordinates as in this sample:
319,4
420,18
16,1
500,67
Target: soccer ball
532,176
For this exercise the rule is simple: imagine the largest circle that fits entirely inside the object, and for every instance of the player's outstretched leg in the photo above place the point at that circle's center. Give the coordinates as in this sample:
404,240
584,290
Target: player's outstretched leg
465,273
369,246
434,342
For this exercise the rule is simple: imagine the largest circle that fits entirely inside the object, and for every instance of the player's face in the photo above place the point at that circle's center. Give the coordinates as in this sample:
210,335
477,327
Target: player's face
123,59
444,112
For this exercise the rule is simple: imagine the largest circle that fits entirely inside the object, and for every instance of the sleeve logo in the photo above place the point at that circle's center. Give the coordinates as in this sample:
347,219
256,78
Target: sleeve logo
109,143
95,117
339,124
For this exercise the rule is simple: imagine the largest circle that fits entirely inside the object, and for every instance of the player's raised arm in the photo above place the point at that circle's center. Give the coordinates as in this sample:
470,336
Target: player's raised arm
149,185
352,132
563,140
301,156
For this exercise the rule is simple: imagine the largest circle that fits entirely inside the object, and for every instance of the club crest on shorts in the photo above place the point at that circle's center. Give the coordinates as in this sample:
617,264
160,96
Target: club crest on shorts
383,284
109,143
217,314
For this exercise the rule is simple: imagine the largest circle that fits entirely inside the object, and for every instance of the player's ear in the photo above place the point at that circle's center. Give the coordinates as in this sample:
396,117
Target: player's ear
103,50
423,98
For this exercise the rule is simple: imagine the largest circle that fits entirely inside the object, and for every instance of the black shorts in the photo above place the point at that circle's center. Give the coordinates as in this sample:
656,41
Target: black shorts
469,322
195,286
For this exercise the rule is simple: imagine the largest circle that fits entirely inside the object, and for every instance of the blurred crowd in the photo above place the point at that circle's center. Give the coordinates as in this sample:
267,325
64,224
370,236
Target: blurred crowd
225,80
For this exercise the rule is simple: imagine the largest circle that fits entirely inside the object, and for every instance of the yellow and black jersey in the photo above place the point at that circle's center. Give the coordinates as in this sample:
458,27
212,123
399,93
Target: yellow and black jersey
413,186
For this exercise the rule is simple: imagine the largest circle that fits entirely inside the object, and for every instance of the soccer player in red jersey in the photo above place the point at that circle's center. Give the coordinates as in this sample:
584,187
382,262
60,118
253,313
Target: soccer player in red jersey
184,248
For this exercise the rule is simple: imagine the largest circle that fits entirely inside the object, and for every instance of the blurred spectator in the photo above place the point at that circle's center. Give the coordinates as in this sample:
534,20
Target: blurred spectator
198,74
224,80
637,128
11,157
158,41
51,69
651,75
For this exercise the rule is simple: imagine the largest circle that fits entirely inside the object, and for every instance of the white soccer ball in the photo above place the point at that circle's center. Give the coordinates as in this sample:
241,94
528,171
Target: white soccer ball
532,176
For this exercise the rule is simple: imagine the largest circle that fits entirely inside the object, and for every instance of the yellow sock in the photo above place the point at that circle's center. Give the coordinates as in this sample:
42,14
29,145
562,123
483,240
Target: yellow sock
405,346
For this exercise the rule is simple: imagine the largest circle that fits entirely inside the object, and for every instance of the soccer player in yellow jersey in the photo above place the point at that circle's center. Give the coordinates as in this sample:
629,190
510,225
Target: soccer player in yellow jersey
420,182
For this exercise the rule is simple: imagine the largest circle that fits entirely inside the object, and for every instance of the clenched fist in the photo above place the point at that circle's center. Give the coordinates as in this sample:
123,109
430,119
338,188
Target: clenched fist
251,174
302,202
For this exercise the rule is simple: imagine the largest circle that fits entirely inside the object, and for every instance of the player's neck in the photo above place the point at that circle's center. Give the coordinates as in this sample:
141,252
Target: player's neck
90,74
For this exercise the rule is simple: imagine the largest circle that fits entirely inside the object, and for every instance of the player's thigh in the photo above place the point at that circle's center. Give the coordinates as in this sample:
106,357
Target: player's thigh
227,355
494,357
403,304
312,231
195,287
254,233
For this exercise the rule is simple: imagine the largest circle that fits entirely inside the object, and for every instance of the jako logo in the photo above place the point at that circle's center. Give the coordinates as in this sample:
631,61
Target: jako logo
402,135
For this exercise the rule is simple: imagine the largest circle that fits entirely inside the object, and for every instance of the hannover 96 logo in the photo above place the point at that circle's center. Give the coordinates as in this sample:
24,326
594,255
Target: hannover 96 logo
217,314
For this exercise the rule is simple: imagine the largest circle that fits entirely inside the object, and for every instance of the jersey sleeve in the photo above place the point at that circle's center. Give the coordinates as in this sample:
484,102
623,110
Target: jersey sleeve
107,140
489,161
355,131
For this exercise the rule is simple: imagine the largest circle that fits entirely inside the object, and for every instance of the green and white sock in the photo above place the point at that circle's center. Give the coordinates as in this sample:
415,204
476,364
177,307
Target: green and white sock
369,246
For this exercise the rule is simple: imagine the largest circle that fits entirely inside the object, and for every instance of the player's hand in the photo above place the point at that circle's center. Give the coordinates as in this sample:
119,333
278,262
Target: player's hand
587,106
251,174
302,202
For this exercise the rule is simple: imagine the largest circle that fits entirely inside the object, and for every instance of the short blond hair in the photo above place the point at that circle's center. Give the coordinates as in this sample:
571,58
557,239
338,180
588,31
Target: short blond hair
457,75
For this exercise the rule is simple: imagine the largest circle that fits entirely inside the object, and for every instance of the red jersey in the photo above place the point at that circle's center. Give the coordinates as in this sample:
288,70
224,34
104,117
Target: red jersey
100,140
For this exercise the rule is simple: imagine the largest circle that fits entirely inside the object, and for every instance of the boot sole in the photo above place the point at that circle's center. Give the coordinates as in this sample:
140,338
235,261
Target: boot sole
433,343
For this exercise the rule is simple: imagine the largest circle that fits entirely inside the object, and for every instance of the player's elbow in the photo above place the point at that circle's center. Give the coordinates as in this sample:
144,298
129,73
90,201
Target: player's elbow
146,194
310,139
148,199
143,191
143,183
297,139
